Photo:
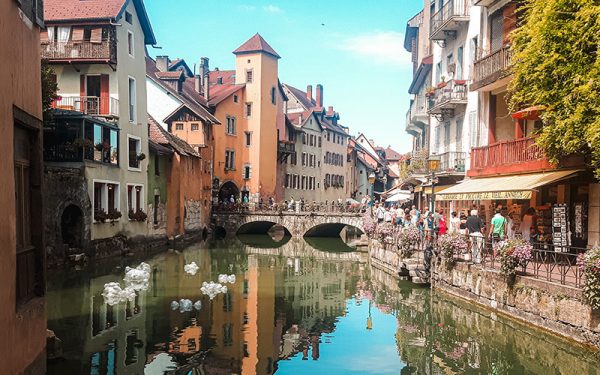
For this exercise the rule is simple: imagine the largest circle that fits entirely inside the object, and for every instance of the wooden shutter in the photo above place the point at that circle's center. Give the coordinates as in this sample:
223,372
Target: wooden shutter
104,95
82,85
96,35
77,36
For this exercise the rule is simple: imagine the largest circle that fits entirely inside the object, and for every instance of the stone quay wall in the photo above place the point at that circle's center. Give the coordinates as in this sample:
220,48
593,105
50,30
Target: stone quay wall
557,308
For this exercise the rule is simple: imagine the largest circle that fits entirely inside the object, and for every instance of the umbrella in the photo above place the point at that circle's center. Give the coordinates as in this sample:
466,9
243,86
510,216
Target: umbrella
352,201
400,197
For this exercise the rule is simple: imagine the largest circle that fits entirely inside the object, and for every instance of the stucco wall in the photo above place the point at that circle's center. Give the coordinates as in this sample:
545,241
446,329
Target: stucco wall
23,329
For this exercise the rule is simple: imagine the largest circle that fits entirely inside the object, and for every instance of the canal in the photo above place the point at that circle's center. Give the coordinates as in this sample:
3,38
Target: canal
301,308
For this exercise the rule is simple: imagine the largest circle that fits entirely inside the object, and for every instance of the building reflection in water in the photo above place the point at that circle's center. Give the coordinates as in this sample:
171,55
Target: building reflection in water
285,304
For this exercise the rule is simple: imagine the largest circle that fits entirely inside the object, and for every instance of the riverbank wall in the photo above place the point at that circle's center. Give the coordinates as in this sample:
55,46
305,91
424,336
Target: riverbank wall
557,308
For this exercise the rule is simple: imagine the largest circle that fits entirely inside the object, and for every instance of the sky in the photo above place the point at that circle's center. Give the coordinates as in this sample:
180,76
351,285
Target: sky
354,48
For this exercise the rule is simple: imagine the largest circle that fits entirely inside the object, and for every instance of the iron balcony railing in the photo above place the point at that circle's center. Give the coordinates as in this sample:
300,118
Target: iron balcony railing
513,151
448,95
286,147
452,11
453,161
89,105
491,67
83,51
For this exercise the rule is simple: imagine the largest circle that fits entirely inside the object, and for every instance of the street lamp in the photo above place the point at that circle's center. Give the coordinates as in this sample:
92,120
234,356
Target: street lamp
433,162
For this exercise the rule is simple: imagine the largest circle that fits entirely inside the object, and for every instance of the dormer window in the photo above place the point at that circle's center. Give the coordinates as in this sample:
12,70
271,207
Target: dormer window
219,80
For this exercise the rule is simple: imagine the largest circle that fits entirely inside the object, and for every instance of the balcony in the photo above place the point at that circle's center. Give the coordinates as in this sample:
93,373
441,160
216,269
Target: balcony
417,117
490,69
449,19
487,3
90,105
453,162
285,149
515,155
104,51
446,98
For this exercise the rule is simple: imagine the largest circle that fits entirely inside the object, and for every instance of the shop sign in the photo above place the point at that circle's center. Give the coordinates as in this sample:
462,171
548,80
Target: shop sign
490,195
560,227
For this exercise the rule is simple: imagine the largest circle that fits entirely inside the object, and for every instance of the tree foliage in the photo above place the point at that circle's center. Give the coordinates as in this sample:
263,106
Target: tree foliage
49,88
556,65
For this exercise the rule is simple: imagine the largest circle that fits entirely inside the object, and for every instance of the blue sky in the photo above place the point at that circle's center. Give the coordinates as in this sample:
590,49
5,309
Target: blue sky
353,47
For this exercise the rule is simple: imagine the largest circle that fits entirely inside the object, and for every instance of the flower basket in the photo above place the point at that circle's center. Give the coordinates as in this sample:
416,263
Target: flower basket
100,216
513,254
450,245
407,240
113,215
138,215
589,264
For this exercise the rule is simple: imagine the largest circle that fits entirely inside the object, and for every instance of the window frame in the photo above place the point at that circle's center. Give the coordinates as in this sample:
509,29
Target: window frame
130,44
138,152
132,99
141,202
117,196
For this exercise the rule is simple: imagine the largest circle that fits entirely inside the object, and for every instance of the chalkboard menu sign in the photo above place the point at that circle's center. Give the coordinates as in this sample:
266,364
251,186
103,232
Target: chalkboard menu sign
560,227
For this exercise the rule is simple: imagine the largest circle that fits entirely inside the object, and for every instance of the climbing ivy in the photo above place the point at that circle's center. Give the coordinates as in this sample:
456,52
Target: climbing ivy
556,64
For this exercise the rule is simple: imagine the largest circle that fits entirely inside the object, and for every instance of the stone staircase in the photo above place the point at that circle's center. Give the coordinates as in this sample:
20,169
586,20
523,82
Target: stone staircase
413,268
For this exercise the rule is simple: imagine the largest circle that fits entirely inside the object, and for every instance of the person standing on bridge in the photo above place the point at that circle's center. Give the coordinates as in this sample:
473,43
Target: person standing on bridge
379,213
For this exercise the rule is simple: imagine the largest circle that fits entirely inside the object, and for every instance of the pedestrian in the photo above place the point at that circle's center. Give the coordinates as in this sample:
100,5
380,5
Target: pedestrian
498,227
474,229
443,227
454,223
528,222
399,215
510,231
379,213
246,200
387,216
232,199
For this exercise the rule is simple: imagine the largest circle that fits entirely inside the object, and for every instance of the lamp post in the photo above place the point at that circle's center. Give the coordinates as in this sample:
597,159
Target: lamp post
371,180
433,162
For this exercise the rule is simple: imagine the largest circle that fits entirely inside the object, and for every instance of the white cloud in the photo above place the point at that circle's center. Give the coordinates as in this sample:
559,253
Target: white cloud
384,47
272,9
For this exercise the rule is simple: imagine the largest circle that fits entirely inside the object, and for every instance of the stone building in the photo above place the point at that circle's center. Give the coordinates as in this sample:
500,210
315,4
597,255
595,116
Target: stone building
23,313
97,51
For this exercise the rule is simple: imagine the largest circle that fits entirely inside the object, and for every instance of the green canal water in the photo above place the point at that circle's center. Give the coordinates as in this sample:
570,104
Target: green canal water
301,308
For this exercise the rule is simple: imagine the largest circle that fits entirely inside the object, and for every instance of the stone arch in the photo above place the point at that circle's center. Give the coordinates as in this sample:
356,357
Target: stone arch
72,226
227,189
259,227
328,230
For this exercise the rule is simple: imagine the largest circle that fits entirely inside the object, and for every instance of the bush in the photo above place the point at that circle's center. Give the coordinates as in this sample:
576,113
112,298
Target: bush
589,264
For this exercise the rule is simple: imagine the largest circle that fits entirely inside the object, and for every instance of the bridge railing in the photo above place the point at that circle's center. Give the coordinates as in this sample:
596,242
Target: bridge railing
296,207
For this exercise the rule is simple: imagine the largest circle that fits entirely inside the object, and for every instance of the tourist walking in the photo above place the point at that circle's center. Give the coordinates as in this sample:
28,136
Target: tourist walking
474,229
454,223
527,222
379,213
498,228
387,216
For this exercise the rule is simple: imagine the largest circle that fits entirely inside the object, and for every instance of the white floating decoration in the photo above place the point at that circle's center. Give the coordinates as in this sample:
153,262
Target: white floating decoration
185,305
114,294
211,289
191,269
174,305
198,305
137,278
231,279
222,278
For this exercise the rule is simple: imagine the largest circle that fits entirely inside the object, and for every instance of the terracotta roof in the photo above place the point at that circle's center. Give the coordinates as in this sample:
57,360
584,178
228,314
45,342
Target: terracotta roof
96,10
157,134
228,76
392,155
158,148
256,44
218,93
170,75
301,96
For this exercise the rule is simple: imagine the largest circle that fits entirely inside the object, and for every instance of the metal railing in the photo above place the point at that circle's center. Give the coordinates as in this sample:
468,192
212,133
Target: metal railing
451,92
291,208
286,147
492,65
104,50
453,161
506,152
451,10
89,105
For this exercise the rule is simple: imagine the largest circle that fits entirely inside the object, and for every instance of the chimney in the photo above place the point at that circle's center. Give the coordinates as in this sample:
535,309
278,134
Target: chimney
330,109
198,84
203,69
319,98
309,92
162,63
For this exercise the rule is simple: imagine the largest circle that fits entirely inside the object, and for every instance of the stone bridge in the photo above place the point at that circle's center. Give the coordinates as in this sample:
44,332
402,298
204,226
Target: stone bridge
298,224
299,248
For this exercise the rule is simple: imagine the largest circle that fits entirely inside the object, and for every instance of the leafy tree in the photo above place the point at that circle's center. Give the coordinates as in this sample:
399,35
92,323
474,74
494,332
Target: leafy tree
49,88
556,64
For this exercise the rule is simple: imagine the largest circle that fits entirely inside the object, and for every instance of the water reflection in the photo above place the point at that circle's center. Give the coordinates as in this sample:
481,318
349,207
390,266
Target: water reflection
293,309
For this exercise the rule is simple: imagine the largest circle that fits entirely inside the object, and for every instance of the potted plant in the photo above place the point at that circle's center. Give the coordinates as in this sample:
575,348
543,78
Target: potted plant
82,142
449,245
141,156
113,215
589,264
430,91
513,254
407,239
138,215
100,215
442,82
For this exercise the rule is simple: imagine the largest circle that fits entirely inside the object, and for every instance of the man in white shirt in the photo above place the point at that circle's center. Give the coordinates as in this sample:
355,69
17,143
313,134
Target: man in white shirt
380,213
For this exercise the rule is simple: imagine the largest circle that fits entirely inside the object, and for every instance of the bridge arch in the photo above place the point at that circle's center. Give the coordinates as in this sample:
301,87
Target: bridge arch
261,227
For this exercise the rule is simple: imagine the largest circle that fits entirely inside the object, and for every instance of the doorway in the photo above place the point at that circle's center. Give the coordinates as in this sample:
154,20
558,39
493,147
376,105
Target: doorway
71,226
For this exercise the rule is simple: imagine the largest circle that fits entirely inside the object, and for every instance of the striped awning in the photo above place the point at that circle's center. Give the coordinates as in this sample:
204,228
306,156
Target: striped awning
505,187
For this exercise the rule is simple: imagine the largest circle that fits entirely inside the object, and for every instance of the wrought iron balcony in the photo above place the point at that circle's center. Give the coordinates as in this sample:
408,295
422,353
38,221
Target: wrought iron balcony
491,68
90,105
285,149
104,51
446,98
453,162
448,19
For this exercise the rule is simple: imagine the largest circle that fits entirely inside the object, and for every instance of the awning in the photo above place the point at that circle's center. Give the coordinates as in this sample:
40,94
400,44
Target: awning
438,188
505,187
400,197
531,113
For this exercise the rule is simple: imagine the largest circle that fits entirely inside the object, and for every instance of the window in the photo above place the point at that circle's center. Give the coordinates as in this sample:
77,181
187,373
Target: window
303,184
446,135
247,171
248,138
230,125
195,127
105,142
230,160
304,159
273,96
130,43
249,76
179,126
459,128
134,151
156,165
219,80
235,99
294,158
135,197
459,63
128,18
474,130
132,100
287,180
303,138
248,109
320,141
106,196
